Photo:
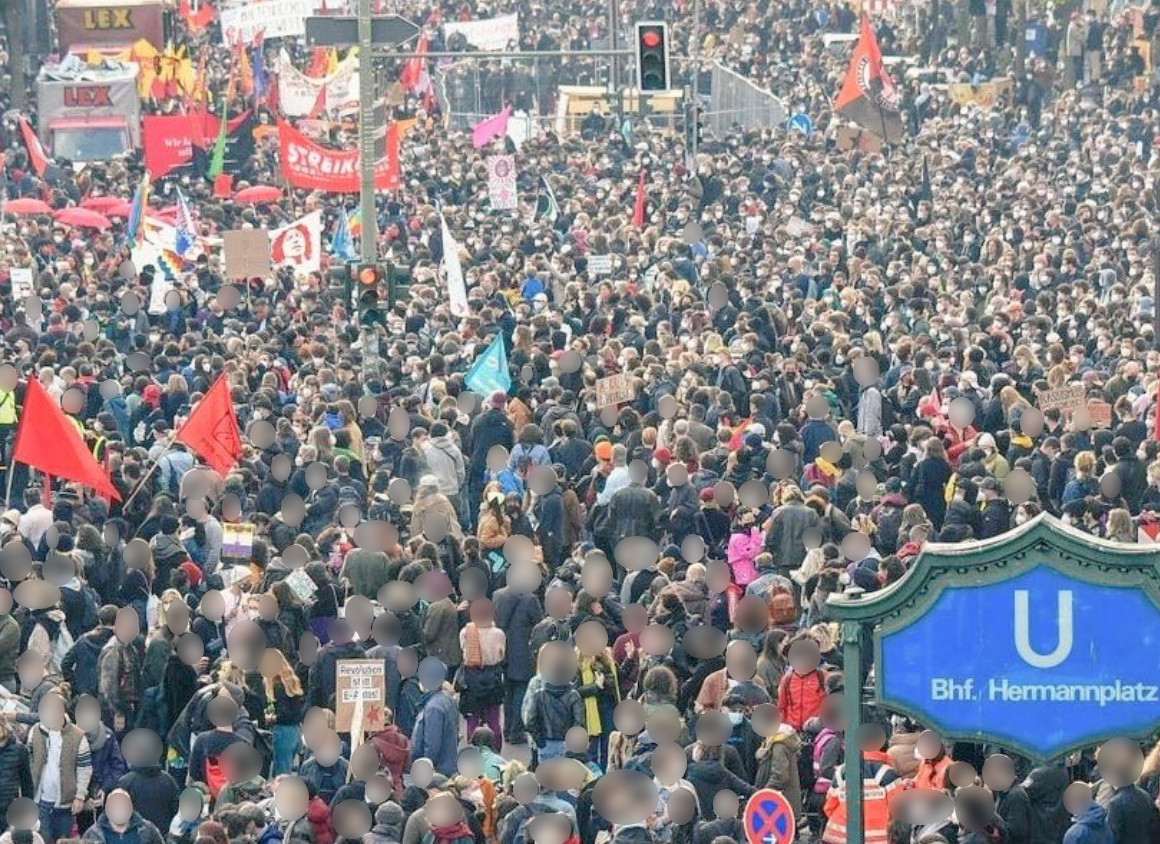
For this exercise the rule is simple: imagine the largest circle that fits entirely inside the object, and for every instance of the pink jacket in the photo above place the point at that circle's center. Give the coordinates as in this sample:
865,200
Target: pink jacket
743,550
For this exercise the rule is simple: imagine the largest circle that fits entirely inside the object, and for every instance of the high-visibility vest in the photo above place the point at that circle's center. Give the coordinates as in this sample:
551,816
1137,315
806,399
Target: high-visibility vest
7,407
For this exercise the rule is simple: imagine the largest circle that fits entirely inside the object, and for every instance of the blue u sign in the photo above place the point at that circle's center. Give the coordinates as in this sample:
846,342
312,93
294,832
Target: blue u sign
1042,662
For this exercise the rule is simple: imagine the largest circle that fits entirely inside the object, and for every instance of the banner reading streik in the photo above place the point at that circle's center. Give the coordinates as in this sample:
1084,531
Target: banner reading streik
168,142
297,92
308,165
273,18
488,34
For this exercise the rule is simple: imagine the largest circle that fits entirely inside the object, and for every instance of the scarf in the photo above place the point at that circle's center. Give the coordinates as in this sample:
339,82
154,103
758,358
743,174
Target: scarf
592,704
830,470
448,834
472,647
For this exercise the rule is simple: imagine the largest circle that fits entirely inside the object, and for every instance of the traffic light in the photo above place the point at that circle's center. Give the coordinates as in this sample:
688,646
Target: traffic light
369,277
652,56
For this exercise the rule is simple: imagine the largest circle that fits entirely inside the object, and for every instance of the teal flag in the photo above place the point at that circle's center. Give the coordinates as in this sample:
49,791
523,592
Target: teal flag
489,373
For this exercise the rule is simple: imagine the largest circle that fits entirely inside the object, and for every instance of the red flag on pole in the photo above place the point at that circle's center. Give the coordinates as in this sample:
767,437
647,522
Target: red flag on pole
639,205
1156,433
868,95
36,153
48,441
212,429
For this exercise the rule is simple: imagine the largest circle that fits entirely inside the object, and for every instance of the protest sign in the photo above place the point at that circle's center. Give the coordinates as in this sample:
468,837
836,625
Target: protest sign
311,166
599,265
501,182
246,253
615,389
360,689
1100,413
272,18
301,585
985,95
490,34
238,540
1070,397
22,284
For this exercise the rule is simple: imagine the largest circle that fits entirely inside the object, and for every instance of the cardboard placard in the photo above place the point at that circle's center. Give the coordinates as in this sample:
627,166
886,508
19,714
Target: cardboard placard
246,253
1101,413
359,681
301,585
1070,397
615,389
238,541
22,284
599,265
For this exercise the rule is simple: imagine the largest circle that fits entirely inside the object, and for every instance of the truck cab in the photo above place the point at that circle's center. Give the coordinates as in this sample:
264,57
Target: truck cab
89,113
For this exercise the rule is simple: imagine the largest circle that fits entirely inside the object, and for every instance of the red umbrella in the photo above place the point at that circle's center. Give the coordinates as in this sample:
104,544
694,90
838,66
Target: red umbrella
27,206
122,209
258,194
102,203
166,215
84,218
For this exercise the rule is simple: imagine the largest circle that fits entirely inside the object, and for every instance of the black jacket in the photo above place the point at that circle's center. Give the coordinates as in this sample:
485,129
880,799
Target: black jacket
549,510
321,686
79,666
554,711
1014,807
633,511
15,773
1044,787
491,428
1133,475
710,777
154,793
996,518
517,615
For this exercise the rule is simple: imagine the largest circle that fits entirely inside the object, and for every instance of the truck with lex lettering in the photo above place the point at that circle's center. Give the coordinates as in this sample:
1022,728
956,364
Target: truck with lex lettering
89,113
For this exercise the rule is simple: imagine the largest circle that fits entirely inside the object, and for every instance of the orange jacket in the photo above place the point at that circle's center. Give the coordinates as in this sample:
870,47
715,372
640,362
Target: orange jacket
878,788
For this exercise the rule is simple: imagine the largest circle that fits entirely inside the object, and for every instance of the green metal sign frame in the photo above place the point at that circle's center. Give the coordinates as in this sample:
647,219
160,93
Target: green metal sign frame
1042,541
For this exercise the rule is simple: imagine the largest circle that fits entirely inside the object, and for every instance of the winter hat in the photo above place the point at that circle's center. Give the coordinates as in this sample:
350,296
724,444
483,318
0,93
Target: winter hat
498,400
191,571
663,455
604,450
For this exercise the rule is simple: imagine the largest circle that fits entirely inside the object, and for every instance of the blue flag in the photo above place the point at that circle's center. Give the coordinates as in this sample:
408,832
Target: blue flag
489,374
186,235
342,244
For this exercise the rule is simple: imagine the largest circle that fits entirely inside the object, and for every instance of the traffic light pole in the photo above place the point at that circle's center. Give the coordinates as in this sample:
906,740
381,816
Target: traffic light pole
695,106
369,240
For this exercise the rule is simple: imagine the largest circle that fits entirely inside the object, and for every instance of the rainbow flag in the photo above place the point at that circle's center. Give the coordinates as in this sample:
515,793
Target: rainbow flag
137,211
354,223
172,264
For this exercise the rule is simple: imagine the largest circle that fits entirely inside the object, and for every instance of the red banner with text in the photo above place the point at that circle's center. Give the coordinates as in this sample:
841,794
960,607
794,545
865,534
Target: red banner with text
168,142
308,165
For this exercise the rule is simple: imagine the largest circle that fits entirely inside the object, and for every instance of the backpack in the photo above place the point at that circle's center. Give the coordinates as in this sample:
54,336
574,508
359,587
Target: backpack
817,752
215,777
889,410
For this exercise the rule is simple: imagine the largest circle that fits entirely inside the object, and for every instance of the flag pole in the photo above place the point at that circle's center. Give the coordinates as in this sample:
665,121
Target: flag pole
141,483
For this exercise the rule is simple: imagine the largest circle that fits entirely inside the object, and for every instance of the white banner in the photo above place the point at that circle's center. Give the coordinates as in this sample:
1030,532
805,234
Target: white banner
488,34
298,245
274,18
453,267
501,182
297,92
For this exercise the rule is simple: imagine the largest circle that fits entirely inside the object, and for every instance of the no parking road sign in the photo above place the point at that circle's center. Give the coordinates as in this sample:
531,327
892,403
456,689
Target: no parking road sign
769,818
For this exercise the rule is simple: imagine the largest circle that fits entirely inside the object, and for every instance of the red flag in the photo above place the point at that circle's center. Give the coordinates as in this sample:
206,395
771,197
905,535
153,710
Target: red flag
319,109
1157,423
868,96
212,429
639,206
36,152
412,71
47,440
223,185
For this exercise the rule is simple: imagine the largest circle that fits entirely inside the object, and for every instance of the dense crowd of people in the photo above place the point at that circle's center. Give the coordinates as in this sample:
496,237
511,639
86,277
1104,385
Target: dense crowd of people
594,623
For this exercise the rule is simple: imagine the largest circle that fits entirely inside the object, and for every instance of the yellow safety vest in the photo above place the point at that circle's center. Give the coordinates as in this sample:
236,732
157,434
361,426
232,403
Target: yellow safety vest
7,407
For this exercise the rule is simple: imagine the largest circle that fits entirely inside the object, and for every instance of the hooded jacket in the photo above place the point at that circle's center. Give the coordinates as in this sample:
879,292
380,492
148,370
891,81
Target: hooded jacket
154,791
778,767
1090,828
388,828
554,710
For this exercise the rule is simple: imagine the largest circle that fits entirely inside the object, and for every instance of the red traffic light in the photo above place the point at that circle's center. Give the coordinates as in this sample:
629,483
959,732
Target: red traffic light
651,39
369,275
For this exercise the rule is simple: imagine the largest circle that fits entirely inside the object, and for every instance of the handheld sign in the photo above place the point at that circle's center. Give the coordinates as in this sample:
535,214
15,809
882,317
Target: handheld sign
769,818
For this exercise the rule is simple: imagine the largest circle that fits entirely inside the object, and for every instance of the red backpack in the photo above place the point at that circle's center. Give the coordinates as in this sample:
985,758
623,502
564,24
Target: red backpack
215,777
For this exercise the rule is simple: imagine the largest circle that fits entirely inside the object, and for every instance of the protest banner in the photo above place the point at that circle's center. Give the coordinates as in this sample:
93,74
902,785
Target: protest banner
615,389
22,285
298,93
238,540
985,95
1070,397
246,253
360,695
1100,413
168,142
298,245
501,182
273,18
311,166
490,34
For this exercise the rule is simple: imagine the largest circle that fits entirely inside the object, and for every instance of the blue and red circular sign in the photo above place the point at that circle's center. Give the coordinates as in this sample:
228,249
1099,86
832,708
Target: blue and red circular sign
769,818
